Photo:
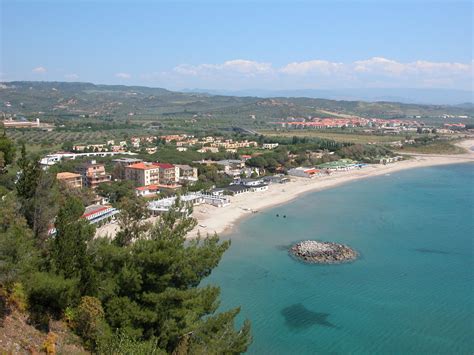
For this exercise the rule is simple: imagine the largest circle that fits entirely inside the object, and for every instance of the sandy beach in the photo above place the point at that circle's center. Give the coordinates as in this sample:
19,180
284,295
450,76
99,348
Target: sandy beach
220,220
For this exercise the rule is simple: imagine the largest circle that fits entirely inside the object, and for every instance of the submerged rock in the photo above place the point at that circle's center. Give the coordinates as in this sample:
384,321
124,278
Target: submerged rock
312,251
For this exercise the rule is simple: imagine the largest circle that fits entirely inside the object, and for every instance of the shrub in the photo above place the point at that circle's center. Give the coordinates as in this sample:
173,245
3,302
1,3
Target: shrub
89,320
48,295
49,345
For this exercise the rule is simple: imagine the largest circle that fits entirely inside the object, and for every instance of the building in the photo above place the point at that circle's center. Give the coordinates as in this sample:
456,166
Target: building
251,182
21,124
208,150
235,189
147,191
304,172
341,165
269,145
187,173
99,213
52,159
276,179
146,173
93,174
192,199
143,173
169,174
72,180
120,165
388,160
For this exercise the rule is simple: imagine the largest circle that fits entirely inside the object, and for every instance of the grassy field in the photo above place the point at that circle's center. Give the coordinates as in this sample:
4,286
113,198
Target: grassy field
351,137
38,137
434,148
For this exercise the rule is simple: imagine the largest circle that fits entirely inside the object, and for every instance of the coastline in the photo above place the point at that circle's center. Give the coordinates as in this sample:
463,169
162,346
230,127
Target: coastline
221,220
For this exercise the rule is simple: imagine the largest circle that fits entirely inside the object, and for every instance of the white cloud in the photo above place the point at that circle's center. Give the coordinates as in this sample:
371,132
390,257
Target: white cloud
312,66
379,65
123,75
39,70
239,66
71,76
318,73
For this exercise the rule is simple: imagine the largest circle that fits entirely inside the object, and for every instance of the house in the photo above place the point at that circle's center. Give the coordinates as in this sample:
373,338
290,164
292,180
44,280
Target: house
181,149
208,150
72,180
304,172
151,150
93,174
269,145
187,173
147,191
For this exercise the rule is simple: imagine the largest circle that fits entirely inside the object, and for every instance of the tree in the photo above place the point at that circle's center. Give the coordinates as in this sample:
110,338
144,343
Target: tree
117,190
156,294
18,256
7,147
70,255
133,212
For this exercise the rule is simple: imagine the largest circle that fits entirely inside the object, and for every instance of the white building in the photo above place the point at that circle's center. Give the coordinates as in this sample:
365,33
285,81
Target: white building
269,145
304,172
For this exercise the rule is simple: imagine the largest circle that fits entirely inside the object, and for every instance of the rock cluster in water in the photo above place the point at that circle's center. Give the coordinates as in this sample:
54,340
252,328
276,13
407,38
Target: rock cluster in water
312,251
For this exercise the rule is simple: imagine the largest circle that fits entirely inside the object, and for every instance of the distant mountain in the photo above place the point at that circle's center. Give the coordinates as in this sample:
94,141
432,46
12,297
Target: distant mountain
408,95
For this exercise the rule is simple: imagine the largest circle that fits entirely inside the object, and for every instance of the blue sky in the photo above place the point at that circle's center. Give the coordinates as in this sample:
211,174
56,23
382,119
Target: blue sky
240,44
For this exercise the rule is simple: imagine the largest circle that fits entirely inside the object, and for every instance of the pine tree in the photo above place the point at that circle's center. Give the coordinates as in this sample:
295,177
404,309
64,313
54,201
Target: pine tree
156,293
70,256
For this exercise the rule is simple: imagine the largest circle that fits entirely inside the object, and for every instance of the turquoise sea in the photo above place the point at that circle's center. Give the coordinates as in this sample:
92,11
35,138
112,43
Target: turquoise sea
410,292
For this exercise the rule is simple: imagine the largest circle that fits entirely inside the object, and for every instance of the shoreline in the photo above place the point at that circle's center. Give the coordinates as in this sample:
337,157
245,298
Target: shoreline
222,220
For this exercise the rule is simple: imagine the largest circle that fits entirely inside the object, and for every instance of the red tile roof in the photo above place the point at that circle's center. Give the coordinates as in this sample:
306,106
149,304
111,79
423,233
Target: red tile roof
94,211
146,166
165,165
148,188
143,166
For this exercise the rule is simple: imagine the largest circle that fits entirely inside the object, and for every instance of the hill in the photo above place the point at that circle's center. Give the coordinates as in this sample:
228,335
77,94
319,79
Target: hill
69,100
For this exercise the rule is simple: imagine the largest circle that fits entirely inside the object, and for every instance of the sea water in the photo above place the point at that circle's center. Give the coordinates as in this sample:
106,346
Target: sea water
411,290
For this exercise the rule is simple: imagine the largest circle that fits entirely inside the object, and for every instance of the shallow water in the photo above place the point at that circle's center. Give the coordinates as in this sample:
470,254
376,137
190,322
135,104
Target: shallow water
411,291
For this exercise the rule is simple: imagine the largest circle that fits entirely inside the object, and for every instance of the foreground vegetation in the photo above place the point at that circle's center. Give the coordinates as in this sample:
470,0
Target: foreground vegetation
139,293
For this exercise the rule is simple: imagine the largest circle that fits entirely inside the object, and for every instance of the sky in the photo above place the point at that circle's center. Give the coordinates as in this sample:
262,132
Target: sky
238,45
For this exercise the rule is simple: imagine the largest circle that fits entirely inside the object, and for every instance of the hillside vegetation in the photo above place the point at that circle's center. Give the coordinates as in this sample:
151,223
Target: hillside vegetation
56,100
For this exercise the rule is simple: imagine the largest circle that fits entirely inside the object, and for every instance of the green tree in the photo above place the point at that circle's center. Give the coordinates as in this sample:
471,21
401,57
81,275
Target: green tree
7,147
70,254
133,212
155,293
18,256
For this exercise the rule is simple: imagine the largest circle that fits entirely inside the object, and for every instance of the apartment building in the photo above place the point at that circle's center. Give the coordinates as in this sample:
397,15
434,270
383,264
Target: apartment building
71,180
120,165
143,173
93,174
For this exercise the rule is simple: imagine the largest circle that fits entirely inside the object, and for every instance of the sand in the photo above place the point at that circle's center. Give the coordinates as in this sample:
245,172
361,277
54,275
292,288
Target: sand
220,220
